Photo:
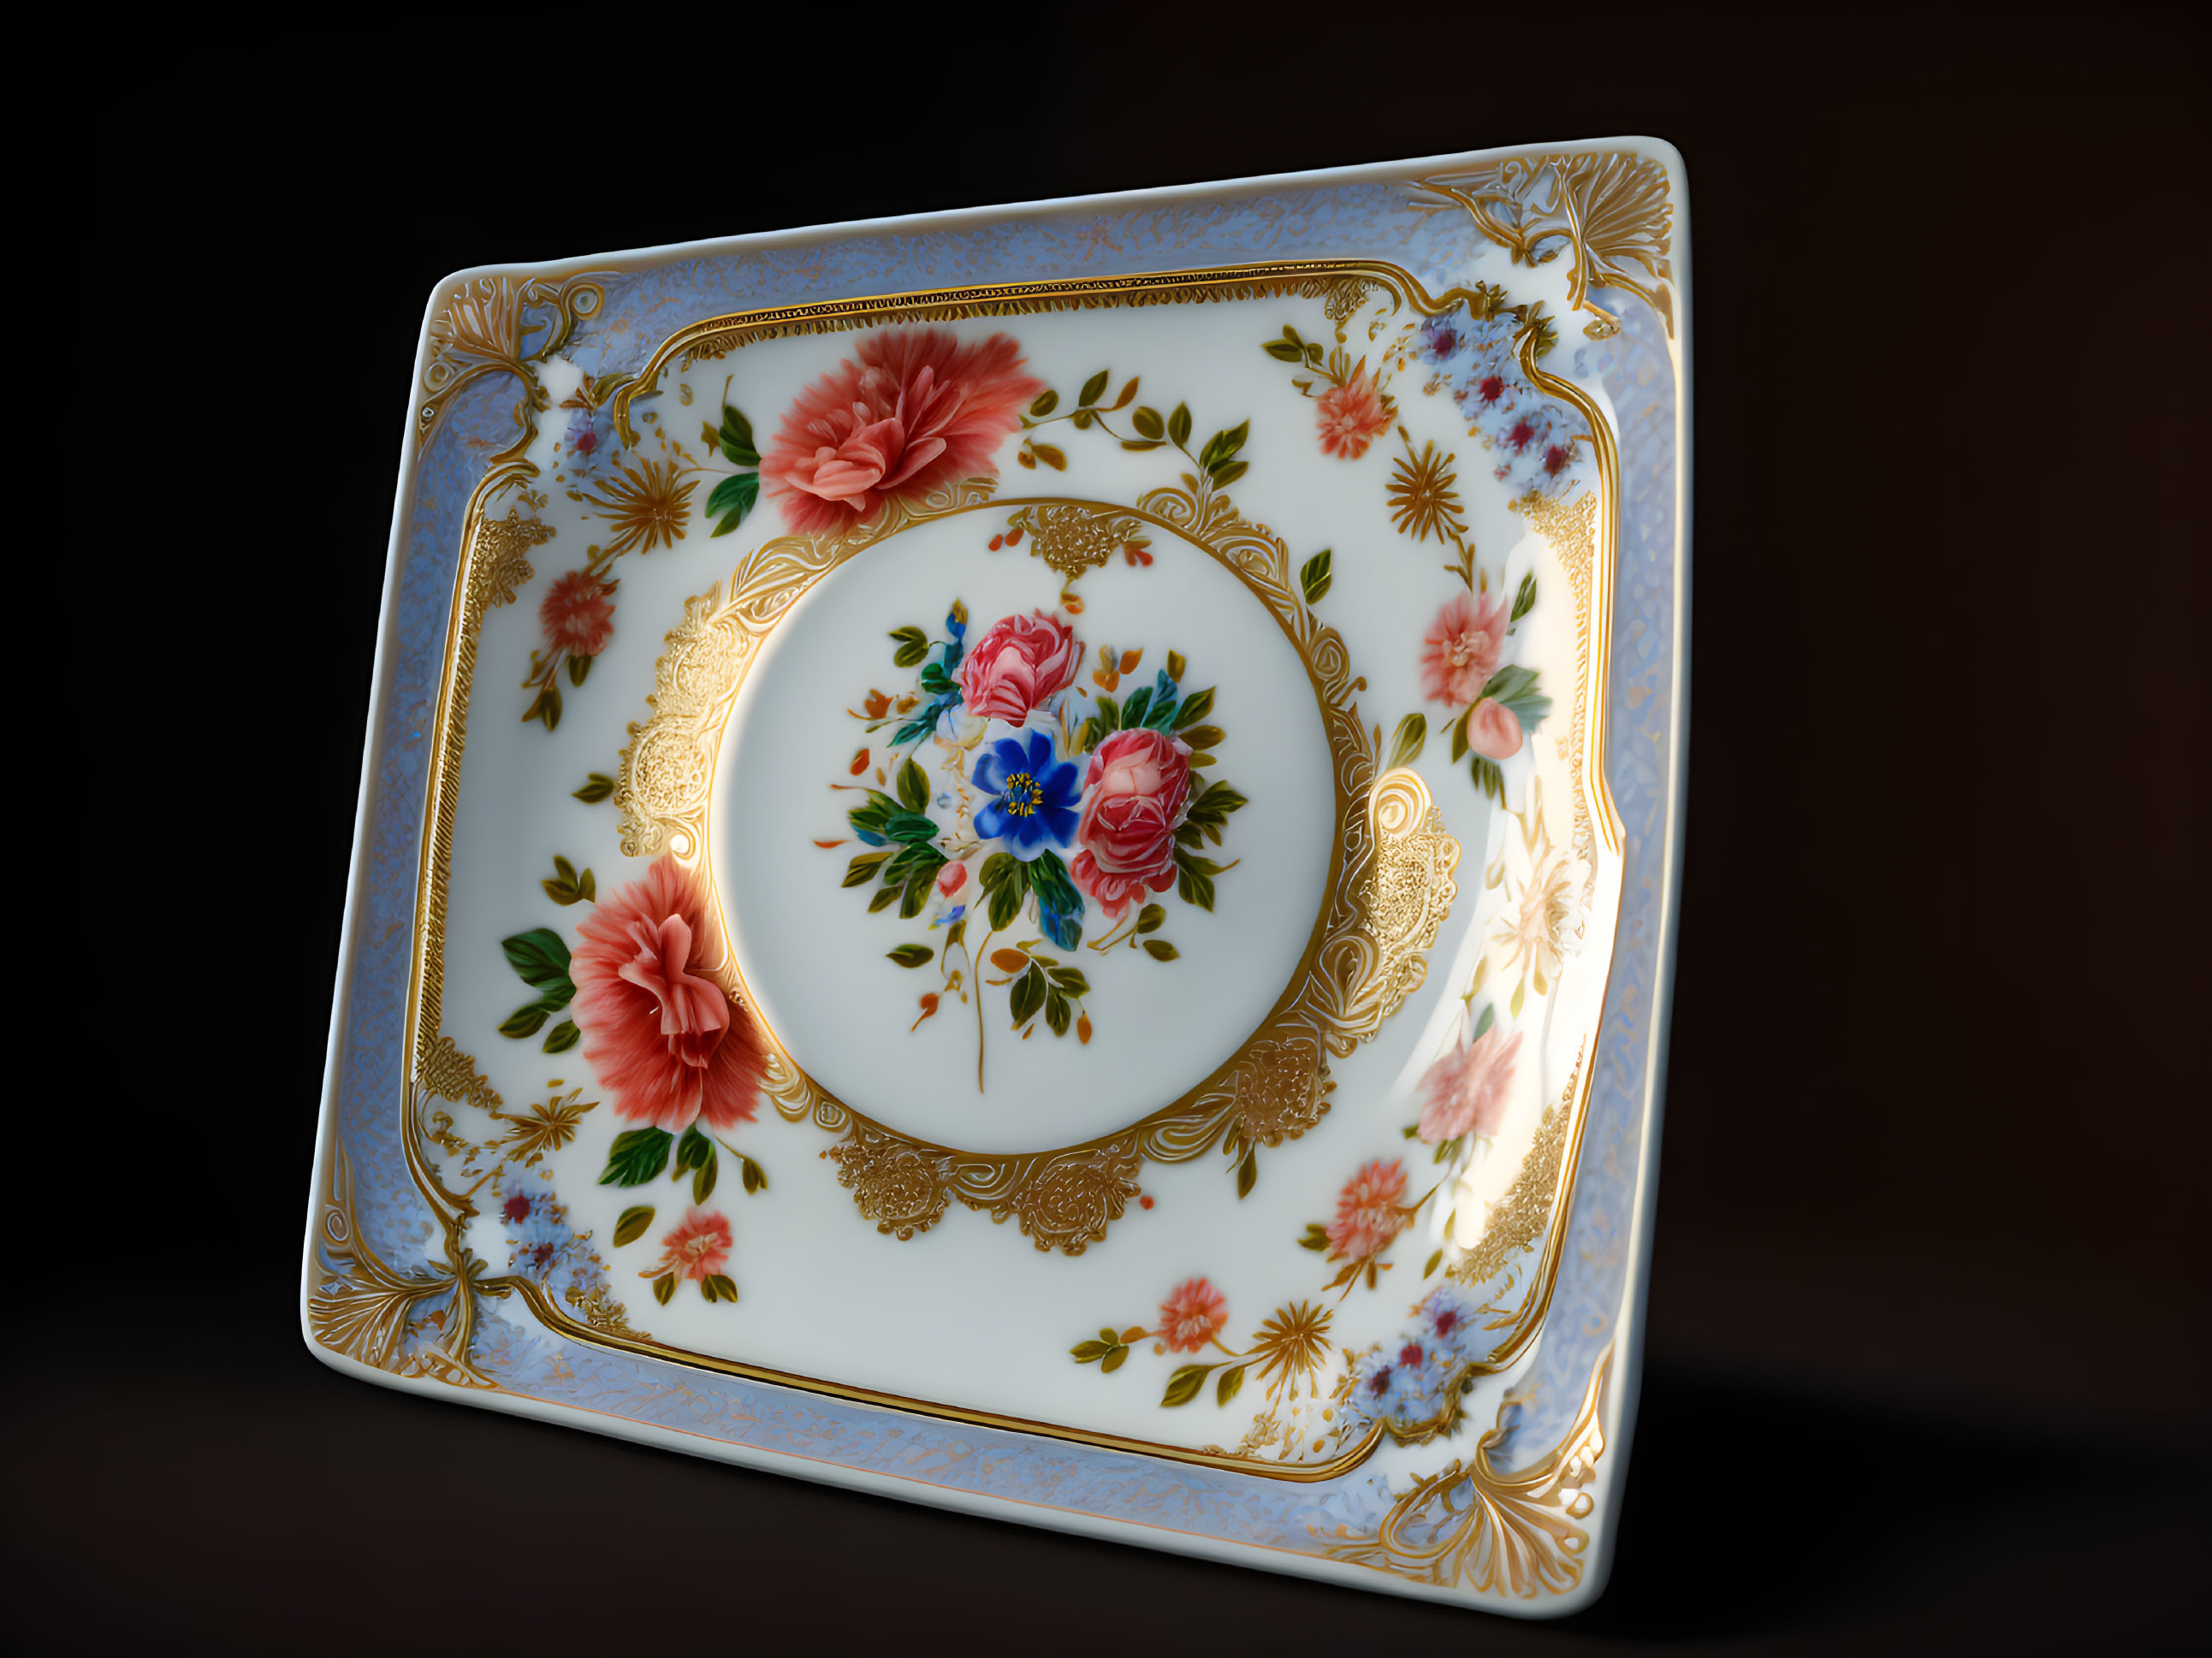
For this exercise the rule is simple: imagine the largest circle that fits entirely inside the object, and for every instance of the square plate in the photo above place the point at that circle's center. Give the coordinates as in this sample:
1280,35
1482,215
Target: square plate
1026,860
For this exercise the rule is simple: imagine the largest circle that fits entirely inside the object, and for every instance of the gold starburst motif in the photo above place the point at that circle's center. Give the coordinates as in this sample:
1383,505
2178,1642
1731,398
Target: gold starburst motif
546,1128
1293,1343
1422,502
648,506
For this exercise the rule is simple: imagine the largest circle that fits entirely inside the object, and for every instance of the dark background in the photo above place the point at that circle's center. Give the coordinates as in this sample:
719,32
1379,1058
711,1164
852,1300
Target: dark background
1928,1356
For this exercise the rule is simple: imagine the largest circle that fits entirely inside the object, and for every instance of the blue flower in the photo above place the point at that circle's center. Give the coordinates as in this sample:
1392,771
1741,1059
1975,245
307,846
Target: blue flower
1033,794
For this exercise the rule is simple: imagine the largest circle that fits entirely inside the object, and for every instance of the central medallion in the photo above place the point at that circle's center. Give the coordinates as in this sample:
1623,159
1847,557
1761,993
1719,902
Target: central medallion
1025,823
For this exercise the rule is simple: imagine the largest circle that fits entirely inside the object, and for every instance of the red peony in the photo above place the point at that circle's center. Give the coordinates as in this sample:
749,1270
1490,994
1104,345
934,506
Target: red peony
698,1248
918,410
1351,414
667,1043
1018,665
1134,800
1192,1315
579,614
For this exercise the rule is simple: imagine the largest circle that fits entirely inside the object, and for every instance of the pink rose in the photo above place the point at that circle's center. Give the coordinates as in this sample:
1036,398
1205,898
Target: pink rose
665,1041
1493,729
917,411
1015,667
951,879
1133,801
1462,649
1467,1088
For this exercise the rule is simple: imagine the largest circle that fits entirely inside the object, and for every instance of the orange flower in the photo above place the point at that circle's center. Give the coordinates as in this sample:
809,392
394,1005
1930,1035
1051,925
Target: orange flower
1352,414
698,1248
1192,1315
1367,1212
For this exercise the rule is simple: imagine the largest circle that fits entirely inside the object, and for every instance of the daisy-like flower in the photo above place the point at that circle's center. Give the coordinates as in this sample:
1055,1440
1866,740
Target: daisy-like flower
697,1248
1422,502
1293,1343
1545,925
647,504
1470,1088
1192,1315
1367,1212
579,614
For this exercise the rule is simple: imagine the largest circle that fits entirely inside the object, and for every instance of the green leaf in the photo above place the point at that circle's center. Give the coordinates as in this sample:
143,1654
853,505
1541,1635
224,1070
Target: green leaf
721,1285
637,1155
1148,423
910,828
562,1037
540,959
1316,1236
862,868
1228,473
913,646
1489,1017
1412,737
1459,736
1133,711
1488,778
567,887
579,669
1115,1357
1314,577
1055,458
750,1175
1151,918
1195,879
694,1150
1524,598
919,883
737,438
1226,1389
1160,949
598,786
1176,666
913,786
1179,425
911,955
630,1224
1434,1260
1285,351
529,1021
702,1182
1196,707
663,1287
1028,995
1090,1353
1070,980
1005,897
1184,1385
1046,402
1202,738
733,498
1093,389
1057,1013
1248,1172
885,896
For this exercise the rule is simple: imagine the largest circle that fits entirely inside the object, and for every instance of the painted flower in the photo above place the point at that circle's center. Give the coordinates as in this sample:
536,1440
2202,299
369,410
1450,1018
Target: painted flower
1440,337
1469,1088
1022,661
668,1044
1546,927
1368,1215
1493,731
919,410
1461,648
579,614
1135,798
1192,1315
1032,794
1351,414
590,437
951,879
698,1248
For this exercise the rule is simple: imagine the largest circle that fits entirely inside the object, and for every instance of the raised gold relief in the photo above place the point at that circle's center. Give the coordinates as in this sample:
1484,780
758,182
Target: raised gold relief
501,324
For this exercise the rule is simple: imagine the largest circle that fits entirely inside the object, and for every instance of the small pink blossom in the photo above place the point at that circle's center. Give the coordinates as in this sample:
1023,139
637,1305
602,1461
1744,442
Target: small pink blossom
697,1248
1192,1315
1368,1215
1351,414
1022,661
1134,800
918,410
578,614
1493,729
1462,649
1468,1089
951,879
667,1043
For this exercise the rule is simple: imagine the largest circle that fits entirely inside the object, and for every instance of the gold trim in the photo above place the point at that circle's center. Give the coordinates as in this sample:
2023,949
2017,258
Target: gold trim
473,592
1470,1526
1610,210
482,330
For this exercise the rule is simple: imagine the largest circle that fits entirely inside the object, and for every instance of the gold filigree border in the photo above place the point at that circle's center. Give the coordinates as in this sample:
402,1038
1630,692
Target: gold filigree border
1388,892
474,592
